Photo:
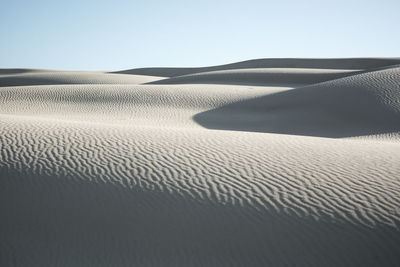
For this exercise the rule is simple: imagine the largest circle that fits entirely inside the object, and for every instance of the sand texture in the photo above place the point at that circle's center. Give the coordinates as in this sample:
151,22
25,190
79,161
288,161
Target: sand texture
270,162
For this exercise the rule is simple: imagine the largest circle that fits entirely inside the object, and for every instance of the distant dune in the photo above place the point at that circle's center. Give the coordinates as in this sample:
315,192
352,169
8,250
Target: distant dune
269,162
69,77
328,63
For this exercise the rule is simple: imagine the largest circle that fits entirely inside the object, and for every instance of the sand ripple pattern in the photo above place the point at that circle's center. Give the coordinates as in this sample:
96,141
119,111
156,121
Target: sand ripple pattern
121,175
354,181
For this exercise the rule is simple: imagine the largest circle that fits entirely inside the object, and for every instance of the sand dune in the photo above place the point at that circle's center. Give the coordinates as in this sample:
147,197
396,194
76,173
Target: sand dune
331,63
260,163
361,104
260,76
71,77
21,71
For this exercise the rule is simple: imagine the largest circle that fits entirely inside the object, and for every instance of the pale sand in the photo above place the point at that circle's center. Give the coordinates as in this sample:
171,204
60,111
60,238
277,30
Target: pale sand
273,162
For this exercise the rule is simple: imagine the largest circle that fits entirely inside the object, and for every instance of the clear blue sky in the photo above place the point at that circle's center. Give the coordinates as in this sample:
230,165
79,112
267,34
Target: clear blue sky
116,34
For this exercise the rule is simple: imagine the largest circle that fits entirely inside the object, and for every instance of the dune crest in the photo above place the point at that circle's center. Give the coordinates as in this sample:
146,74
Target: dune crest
313,63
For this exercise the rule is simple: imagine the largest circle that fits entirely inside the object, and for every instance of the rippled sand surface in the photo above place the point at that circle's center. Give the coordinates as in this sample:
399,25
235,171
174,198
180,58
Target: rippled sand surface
272,162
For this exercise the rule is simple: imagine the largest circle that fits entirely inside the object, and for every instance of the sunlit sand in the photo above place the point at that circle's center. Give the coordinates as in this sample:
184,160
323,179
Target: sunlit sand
270,162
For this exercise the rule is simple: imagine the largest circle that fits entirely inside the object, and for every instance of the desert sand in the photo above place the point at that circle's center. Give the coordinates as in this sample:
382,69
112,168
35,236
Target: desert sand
269,162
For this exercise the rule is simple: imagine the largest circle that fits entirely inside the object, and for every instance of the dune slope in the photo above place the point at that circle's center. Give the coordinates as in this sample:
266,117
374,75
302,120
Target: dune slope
71,77
329,63
112,173
260,76
361,104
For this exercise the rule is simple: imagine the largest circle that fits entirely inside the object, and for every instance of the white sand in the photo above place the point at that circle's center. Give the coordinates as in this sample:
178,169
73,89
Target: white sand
275,162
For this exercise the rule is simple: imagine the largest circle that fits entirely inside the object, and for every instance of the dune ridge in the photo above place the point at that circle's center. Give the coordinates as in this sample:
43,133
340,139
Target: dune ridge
38,77
272,162
261,76
313,63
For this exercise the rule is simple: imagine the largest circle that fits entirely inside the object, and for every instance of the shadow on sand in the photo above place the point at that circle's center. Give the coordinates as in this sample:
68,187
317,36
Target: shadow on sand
318,110
60,221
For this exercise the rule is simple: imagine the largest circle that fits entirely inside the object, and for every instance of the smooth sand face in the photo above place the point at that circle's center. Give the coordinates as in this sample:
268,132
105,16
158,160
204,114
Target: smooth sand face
231,167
